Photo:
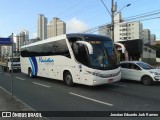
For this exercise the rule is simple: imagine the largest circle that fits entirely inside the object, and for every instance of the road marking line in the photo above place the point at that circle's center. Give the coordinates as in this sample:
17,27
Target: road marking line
41,84
120,85
20,78
91,99
8,74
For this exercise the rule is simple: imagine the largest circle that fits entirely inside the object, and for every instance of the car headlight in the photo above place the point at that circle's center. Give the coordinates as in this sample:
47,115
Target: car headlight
155,73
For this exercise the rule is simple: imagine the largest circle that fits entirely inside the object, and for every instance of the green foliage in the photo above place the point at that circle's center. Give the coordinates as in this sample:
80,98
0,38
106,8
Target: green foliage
157,48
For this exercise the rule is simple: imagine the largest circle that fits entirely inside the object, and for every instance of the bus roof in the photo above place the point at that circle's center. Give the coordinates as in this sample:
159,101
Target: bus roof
46,40
64,36
84,35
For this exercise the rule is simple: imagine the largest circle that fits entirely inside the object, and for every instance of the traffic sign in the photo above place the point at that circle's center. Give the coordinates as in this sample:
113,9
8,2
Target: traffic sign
5,41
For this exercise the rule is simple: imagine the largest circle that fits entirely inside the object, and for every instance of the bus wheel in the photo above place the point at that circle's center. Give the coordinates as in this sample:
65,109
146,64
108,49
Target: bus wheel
146,80
30,73
68,79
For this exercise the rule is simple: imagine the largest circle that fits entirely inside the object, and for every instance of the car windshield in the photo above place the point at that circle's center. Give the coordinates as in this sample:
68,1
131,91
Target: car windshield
104,55
145,66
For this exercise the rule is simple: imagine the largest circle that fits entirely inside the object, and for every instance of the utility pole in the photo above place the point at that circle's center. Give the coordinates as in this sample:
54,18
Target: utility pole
113,9
112,19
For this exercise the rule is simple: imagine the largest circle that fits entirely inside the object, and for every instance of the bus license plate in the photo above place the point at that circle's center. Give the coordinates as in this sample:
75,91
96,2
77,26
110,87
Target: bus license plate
110,80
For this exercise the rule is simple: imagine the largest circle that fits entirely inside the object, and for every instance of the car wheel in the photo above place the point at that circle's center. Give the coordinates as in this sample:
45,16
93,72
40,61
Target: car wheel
68,79
146,80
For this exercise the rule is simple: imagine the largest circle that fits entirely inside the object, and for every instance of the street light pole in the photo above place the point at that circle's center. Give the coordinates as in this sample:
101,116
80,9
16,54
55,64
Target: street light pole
112,14
113,10
112,19
122,8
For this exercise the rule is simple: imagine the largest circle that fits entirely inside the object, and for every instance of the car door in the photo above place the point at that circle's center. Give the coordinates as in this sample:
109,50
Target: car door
134,72
124,70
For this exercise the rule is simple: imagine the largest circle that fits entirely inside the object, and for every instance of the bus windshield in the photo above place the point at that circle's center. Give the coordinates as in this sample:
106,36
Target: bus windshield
104,55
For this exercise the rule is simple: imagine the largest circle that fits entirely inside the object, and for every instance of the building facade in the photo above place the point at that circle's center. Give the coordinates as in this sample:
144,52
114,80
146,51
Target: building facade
124,31
128,31
42,27
153,39
21,39
56,27
146,36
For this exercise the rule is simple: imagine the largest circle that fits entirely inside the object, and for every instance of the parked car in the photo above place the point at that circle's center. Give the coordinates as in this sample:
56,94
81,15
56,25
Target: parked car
139,71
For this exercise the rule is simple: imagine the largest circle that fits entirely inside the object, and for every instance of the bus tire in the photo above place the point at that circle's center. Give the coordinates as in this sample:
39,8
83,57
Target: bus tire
146,80
68,79
30,73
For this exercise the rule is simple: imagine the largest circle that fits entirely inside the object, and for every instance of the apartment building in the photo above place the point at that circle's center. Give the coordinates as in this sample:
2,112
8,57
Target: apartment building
128,31
56,27
42,27
146,36
124,31
153,39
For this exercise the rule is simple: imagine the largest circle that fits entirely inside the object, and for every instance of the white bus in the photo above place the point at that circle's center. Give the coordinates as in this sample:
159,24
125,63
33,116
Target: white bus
74,58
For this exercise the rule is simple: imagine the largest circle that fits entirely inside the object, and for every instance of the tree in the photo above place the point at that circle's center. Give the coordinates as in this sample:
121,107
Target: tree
157,48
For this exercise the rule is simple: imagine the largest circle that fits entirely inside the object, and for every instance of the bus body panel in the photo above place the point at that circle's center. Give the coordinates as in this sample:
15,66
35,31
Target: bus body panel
53,70
54,66
94,77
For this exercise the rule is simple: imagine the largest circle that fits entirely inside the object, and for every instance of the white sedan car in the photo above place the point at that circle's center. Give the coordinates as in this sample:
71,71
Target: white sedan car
139,71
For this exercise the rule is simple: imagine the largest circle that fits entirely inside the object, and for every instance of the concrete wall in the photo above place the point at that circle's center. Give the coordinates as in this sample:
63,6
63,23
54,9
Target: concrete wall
148,55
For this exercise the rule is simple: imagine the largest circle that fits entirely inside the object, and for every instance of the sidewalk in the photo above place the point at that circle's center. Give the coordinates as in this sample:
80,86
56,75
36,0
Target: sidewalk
7,104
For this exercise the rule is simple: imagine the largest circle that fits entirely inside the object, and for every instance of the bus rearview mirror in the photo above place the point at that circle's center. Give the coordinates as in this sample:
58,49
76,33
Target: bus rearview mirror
89,46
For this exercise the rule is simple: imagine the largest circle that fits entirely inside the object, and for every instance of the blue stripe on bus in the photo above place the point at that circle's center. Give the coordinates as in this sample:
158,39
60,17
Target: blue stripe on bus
33,71
35,65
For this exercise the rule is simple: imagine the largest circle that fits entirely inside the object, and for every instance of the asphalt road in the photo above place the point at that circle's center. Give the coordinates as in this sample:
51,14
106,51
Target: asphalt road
51,95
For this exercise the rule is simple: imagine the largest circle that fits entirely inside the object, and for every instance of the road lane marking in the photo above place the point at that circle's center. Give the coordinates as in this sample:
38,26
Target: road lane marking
20,78
8,74
91,99
120,85
41,84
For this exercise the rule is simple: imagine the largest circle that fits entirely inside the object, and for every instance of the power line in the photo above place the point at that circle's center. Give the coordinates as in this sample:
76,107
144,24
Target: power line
92,30
149,18
148,14
105,7
144,14
69,8
81,10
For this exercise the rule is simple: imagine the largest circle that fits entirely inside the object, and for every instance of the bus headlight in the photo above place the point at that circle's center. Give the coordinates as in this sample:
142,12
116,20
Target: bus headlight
104,75
95,74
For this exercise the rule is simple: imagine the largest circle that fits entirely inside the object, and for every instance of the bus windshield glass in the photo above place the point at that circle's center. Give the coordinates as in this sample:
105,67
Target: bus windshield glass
104,55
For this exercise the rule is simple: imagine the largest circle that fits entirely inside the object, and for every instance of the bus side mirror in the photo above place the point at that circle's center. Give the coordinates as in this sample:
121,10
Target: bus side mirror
89,46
